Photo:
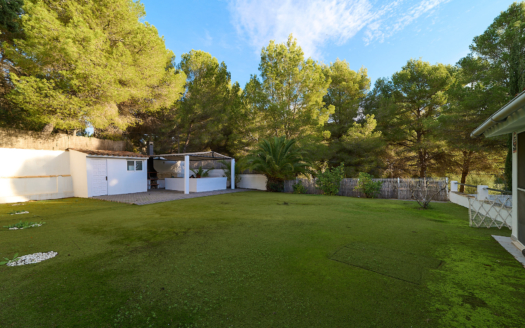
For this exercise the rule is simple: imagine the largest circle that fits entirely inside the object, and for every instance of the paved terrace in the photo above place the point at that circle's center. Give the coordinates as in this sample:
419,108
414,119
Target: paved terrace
161,195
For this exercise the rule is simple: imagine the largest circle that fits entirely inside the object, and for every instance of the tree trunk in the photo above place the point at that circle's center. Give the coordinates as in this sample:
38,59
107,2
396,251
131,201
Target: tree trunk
465,169
187,138
48,128
422,164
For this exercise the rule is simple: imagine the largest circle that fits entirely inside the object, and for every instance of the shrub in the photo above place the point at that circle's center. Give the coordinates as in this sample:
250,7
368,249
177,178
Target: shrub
275,185
425,190
298,188
367,186
329,181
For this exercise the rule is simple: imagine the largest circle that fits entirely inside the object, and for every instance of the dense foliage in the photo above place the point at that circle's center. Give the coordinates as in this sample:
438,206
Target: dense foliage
69,66
369,187
329,181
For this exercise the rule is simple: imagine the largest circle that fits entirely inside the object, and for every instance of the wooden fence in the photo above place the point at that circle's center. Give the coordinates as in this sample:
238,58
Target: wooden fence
391,188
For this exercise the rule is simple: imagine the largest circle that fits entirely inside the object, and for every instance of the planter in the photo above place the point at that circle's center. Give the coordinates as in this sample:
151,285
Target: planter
197,185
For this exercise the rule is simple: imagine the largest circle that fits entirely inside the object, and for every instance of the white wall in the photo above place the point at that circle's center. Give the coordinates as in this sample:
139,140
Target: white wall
77,162
29,174
31,162
253,181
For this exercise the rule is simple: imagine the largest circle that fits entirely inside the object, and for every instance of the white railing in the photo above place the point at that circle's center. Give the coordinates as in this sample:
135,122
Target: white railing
485,210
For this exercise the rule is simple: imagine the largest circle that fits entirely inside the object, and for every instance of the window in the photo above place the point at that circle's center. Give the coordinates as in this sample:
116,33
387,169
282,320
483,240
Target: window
138,166
131,165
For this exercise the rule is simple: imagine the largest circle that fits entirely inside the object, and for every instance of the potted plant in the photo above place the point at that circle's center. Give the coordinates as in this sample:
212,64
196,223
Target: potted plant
201,173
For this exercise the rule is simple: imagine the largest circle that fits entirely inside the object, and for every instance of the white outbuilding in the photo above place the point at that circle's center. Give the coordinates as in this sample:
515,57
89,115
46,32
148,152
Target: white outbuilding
106,172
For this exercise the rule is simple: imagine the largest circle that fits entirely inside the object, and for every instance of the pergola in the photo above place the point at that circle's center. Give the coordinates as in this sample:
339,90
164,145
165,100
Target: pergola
199,156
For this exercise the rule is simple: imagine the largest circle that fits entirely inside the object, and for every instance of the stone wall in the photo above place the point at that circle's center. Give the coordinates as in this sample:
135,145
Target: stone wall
37,140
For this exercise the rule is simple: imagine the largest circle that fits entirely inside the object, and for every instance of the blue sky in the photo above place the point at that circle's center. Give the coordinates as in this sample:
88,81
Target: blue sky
378,35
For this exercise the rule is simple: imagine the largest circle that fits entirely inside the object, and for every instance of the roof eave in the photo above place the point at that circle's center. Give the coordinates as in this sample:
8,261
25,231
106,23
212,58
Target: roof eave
501,115
116,157
514,122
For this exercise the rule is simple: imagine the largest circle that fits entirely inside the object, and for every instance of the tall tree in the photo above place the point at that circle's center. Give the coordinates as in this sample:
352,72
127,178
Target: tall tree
289,93
345,93
360,149
203,113
209,116
503,46
90,63
471,100
10,29
406,108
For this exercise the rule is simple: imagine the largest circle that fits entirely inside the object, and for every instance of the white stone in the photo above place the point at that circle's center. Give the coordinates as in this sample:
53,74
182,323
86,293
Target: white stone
25,212
32,258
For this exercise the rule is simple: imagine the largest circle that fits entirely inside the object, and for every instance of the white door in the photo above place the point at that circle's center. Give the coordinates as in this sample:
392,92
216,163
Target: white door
99,177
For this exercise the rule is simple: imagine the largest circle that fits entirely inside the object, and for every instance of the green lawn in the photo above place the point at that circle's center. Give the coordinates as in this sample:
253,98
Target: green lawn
257,259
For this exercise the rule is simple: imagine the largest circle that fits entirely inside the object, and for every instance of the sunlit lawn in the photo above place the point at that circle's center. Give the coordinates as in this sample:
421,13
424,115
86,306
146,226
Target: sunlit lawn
257,259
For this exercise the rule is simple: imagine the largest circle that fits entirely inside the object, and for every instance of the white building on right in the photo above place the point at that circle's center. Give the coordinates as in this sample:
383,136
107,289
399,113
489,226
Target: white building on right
510,119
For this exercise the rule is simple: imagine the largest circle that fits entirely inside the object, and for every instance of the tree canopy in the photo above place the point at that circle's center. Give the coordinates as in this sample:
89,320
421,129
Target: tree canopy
289,92
90,63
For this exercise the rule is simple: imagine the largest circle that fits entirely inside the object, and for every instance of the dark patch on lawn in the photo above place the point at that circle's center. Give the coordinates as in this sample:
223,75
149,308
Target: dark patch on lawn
389,262
473,301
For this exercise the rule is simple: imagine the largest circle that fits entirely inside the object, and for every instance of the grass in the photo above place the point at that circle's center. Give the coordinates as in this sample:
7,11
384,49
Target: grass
258,259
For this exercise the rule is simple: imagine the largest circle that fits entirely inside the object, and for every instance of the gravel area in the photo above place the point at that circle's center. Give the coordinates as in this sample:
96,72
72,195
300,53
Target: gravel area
32,258
31,226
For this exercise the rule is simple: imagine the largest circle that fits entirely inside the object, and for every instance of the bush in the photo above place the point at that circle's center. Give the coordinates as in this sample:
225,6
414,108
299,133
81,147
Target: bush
367,186
329,181
298,188
275,185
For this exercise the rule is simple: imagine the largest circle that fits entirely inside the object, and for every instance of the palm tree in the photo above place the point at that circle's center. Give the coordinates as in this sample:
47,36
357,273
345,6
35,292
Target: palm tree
279,159
240,167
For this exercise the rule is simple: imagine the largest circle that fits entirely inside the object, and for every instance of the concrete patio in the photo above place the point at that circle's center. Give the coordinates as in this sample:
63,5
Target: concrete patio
161,195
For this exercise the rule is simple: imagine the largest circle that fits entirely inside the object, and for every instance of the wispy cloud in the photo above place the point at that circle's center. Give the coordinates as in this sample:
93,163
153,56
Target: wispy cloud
316,22
207,39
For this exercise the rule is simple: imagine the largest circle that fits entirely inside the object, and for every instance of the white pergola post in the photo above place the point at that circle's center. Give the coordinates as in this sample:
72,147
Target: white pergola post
186,175
233,173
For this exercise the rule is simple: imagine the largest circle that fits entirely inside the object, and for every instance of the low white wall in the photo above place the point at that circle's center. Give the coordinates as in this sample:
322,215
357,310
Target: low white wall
196,185
252,181
459,198
29,174
485,208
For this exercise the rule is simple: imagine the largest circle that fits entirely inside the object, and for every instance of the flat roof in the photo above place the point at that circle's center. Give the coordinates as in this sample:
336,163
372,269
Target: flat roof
109,153
198,156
